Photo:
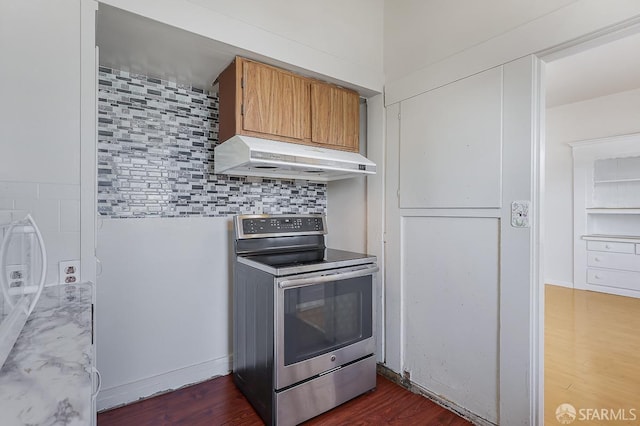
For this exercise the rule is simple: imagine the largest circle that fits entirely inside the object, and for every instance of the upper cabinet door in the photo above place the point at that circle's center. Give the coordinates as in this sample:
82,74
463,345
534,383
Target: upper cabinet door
335,116
275,102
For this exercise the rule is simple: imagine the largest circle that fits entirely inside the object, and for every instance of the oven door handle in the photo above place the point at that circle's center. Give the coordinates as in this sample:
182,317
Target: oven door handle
304,282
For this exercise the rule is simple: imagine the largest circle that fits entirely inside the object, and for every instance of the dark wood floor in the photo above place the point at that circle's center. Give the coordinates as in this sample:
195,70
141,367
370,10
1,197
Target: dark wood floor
218,402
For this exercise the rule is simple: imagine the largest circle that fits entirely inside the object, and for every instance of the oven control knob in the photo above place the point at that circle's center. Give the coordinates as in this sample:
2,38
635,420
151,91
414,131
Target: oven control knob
333,357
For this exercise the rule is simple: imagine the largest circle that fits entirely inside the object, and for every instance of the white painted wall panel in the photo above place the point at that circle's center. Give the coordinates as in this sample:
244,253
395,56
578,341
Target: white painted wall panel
451,298
450,146
164,304
606,116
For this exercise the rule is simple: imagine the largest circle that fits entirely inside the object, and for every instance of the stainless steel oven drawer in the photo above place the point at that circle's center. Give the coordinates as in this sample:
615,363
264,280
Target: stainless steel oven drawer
308,399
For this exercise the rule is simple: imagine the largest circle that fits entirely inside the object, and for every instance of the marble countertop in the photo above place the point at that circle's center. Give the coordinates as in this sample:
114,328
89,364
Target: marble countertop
46,380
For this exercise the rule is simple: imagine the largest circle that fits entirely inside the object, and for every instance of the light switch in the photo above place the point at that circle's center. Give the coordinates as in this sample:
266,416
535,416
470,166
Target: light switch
520,214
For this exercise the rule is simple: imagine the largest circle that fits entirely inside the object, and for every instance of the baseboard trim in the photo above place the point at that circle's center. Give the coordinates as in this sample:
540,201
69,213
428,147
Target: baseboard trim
156,385
438,399
558,283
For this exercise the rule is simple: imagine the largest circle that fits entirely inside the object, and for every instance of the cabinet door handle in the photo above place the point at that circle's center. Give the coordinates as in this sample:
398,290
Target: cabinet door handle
597,277
607,246
597,259
304,282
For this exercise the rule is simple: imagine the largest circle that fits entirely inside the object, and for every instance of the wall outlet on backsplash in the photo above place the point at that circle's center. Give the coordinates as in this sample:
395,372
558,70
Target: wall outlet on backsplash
16,274
69,272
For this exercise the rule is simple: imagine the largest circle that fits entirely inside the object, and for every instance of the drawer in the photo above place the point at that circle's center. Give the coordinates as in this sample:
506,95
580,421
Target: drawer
626,261
611,246
609,278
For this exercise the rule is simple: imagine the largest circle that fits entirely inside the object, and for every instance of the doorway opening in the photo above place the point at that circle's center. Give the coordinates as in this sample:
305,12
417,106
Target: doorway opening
591,344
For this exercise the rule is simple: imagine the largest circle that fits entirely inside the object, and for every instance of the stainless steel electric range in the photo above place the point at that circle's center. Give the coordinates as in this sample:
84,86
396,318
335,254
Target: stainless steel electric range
303,318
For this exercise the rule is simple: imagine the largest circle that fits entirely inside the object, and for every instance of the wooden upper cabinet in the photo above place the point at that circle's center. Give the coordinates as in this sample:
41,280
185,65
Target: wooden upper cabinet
264,101
335,116
275,102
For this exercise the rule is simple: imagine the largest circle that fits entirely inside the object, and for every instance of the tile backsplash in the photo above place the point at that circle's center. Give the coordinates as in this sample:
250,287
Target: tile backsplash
155,156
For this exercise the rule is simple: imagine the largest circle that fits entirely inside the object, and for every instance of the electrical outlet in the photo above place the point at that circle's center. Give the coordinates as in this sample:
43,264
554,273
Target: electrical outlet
16,275
520,214
69,272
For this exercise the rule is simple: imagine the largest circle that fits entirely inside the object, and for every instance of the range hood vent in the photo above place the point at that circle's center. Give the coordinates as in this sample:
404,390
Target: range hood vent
249,156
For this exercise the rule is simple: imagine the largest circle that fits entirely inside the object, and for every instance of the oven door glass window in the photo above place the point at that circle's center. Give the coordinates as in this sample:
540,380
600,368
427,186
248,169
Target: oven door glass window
324,317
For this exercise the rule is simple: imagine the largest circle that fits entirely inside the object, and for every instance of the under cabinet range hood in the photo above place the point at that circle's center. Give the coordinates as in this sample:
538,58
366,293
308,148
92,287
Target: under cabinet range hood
250,156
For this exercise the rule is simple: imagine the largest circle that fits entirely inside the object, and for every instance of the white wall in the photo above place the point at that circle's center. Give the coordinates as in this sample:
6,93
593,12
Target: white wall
611,115
167,283
493,35
40,91
347,214
342,40
430,31
40,120
347,205
329,26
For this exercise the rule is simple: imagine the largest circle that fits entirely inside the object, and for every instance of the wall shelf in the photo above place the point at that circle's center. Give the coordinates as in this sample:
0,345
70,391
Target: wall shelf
606,213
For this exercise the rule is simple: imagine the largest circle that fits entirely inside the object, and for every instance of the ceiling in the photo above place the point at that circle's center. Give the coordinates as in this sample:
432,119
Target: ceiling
602,70
140,45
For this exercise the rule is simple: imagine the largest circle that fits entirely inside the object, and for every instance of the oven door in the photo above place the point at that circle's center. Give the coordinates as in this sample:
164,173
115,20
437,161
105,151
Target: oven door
323,321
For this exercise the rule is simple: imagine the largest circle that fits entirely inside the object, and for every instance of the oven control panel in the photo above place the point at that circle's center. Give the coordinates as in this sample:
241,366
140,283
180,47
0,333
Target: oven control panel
268,225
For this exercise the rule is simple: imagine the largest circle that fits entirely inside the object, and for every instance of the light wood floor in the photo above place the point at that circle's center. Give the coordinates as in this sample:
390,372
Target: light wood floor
592,352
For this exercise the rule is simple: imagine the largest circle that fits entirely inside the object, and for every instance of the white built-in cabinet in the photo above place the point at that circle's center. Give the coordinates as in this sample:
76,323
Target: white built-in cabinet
606,184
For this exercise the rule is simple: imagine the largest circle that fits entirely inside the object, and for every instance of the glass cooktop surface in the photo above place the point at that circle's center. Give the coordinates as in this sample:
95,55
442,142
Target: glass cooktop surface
305,261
